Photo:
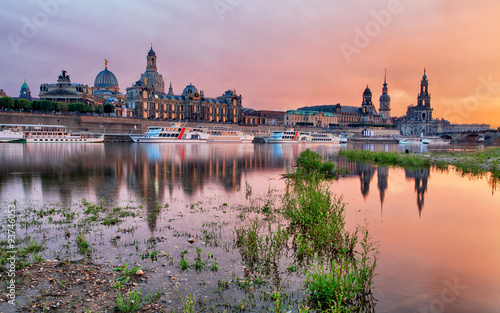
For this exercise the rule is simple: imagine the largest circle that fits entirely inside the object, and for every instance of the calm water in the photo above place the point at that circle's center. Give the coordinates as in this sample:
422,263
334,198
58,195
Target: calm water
439,232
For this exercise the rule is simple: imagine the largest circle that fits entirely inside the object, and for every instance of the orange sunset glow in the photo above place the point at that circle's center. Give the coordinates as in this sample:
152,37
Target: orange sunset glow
277,55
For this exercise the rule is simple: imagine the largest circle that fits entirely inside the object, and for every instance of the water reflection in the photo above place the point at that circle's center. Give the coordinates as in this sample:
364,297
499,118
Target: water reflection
154,172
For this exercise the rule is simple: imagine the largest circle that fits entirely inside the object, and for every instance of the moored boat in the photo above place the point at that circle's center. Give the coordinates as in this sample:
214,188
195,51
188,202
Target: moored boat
293,136
38,133
181,134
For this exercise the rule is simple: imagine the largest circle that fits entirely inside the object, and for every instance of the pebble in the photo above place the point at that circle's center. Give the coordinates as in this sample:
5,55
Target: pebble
139,273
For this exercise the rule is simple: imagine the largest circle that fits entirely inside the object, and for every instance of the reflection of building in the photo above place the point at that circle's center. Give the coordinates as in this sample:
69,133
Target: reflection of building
421,176
146,98
25,92
66,91
311,118
382,175
418,119
366,172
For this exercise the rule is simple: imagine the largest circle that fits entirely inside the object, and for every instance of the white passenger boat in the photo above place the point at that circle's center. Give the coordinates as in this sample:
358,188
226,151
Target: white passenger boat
409,140
38,133
11,133
179,134
293,136
434,141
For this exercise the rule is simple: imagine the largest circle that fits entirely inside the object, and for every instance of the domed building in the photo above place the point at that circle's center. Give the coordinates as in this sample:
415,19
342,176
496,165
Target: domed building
106,87
146,98
25,92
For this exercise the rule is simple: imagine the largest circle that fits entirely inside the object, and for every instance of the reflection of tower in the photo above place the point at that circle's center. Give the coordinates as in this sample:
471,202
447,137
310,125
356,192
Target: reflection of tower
421,176
382,175
366,172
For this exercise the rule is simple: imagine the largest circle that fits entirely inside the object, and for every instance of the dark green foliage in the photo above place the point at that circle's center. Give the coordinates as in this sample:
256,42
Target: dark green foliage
109,108
99,109
22,104
309,163
6,102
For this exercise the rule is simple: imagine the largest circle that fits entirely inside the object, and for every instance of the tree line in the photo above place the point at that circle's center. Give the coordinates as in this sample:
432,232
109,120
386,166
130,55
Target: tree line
51,106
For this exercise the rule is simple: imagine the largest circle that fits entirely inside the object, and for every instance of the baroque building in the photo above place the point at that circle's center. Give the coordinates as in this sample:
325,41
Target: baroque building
146,98
66,91
25,92
418,119
310,118
364,114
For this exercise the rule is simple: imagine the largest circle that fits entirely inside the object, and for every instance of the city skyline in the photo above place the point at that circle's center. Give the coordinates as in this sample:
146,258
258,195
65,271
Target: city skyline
278,57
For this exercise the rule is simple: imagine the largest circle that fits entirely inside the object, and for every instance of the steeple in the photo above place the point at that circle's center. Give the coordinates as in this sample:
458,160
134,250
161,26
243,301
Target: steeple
170,90
424,98
385,102
151,60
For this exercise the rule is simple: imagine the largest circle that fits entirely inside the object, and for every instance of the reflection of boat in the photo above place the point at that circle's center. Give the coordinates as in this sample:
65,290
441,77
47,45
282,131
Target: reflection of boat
292,136
178,133
45,134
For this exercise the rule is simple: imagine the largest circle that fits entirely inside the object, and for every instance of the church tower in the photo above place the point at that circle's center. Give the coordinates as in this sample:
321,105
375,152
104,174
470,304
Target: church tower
424,100
25,92
151,60
385,103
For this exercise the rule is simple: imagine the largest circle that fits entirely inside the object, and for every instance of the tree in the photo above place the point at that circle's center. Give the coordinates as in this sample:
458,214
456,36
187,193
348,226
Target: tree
99,109
62,106
22,104
80,107
42,105
6,102
109,108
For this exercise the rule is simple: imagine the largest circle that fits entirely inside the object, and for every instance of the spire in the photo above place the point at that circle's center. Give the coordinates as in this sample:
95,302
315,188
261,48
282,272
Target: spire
106,63
385,78
170,90
425,74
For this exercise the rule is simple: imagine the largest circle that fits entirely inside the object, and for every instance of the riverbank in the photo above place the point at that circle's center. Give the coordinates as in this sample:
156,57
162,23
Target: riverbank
466,162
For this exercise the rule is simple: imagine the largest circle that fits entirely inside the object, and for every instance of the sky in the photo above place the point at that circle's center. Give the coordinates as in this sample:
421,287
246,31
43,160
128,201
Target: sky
278,55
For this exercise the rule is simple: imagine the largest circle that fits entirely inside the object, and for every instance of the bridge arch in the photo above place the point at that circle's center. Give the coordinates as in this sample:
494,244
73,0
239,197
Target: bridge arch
473,137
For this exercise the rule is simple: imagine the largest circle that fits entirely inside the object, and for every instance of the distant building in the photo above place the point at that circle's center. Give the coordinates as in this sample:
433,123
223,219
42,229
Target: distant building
385,104
146,98
418,119
2,93
106,87
262,117
311,118
66,91
25,92
365,114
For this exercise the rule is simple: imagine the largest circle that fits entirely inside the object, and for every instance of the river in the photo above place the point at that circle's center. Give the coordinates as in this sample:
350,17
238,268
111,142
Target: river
438,232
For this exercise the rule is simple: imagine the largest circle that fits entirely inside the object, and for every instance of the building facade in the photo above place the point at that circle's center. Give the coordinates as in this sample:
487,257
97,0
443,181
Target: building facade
146,98
310,118
262,117
365,114
418,119
66,91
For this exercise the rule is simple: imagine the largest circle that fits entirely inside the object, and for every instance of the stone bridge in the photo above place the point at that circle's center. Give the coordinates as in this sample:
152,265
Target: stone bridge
485,135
